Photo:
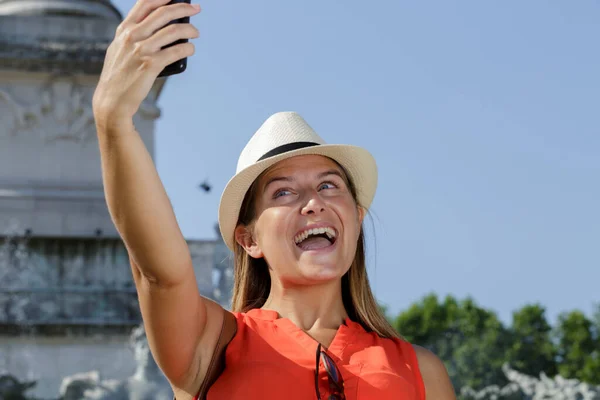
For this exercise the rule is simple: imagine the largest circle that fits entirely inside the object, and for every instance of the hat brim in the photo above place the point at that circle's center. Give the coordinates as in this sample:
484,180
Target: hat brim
357,161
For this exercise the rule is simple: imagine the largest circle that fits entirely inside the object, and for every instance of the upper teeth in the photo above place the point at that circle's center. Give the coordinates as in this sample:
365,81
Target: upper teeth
330,232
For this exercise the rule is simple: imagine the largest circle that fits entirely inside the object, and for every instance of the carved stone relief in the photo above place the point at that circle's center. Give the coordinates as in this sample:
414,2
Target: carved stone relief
62,110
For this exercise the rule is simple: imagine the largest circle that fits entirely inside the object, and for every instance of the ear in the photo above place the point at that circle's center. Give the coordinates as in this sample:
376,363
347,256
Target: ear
361,214
243,235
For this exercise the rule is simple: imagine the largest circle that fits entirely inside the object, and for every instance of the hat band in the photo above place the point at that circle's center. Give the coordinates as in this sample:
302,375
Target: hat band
287,147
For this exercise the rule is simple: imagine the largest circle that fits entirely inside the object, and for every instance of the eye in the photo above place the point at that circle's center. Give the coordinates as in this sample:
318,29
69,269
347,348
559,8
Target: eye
280,193
327,185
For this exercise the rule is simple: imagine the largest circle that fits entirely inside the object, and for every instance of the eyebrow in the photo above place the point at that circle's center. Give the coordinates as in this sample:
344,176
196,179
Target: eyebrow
277,179
330,172
290,179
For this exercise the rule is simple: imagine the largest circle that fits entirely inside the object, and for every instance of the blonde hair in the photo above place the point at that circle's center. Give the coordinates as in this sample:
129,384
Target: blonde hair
252,282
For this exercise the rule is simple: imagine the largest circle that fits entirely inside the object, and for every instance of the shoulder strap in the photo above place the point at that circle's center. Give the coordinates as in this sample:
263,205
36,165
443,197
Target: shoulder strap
217,362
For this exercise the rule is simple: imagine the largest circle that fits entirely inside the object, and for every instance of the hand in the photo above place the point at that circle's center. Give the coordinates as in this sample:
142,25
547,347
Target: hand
134,58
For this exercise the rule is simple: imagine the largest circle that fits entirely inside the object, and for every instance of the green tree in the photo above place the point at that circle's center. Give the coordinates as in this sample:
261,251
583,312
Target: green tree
591,369
596,323
577,348
479,357
428,323
532,350
469,339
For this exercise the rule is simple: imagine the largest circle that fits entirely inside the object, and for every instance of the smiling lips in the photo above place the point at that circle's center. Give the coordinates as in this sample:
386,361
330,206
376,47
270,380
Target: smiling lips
316,238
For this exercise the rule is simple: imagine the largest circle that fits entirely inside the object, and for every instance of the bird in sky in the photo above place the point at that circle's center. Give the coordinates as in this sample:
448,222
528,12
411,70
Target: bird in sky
205,186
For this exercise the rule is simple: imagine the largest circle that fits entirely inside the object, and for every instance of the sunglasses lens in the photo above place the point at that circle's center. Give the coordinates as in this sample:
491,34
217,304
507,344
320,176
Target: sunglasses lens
336,383
330,368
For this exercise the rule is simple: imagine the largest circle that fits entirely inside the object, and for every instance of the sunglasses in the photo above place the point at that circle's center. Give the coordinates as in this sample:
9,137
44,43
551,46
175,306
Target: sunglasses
336,383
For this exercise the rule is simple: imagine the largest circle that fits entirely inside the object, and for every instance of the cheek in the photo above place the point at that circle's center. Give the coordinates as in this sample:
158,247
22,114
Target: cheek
271,228
351,215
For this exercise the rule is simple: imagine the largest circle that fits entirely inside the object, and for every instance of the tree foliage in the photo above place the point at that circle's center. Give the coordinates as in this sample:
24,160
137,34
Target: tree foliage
531,350
474,343
578,347
469,339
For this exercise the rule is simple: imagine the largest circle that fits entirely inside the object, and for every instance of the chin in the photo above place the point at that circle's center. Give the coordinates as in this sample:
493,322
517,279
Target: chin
321,272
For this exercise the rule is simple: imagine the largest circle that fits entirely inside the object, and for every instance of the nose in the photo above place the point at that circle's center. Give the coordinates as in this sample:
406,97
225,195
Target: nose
314,205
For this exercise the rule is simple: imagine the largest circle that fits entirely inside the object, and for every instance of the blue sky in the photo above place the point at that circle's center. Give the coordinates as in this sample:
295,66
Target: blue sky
483,117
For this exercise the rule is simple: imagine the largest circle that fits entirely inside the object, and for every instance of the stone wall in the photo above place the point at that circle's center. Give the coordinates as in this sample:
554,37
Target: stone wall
48,360
69,305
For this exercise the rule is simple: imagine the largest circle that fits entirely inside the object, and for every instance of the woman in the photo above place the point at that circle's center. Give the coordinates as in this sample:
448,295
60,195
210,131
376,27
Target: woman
307,323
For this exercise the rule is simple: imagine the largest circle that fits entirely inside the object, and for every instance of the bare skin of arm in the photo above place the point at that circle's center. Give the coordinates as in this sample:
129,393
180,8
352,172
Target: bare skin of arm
182,326
435,377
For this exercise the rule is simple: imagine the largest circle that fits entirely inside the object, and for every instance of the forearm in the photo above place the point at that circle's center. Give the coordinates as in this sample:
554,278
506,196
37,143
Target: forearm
139,206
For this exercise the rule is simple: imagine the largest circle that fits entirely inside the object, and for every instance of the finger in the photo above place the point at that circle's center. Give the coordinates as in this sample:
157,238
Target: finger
142,9
158,20
169,35
173,54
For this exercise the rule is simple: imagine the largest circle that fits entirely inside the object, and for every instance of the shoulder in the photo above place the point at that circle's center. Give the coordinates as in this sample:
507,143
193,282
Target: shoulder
435,376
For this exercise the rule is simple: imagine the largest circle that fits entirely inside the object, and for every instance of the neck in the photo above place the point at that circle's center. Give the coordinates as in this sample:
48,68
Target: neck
309,306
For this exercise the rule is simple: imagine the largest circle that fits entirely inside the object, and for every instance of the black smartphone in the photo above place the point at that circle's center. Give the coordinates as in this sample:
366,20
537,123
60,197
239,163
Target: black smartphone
178,66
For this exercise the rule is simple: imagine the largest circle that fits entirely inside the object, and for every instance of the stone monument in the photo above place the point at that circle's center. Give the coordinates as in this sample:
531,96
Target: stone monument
67,301
525,387
146,383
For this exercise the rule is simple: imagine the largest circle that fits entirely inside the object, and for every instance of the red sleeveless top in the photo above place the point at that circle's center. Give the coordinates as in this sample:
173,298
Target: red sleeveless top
271,358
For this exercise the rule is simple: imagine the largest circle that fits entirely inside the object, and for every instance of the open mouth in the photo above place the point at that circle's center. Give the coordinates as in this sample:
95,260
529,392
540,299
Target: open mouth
316,238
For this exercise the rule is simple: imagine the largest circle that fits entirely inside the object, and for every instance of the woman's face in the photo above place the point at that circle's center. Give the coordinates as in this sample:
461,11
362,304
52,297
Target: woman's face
307,222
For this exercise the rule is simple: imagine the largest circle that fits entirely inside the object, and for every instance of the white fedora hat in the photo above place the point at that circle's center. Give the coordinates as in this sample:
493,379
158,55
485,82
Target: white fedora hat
281,136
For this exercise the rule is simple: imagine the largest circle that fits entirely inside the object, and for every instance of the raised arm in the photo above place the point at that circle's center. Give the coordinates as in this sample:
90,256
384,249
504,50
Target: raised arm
175,314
